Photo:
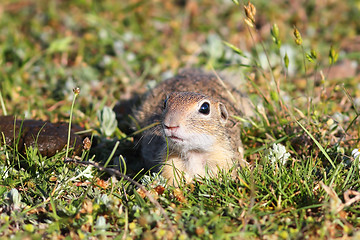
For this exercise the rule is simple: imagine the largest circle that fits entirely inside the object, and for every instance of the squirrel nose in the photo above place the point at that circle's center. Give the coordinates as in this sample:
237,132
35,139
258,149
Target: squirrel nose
171,128
171,122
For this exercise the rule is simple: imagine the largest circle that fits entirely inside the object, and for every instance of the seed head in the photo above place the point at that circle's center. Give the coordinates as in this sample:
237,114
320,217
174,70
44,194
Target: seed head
87,143
275,34
286,61
250,12
333,55
76,90
298,39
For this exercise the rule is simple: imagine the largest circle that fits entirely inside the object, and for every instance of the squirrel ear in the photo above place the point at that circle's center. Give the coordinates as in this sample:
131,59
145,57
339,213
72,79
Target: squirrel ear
223,113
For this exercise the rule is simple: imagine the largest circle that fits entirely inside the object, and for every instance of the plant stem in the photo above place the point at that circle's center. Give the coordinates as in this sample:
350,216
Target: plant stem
2,104
71,113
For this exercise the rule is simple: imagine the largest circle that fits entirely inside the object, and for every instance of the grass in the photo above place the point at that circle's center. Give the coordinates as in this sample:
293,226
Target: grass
114,50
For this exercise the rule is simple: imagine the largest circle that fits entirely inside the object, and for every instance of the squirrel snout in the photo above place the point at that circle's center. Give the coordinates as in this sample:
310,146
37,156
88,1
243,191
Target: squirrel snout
170,127
170,130
171,123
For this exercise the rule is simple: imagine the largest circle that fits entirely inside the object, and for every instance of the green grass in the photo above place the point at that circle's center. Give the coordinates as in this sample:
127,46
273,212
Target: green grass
113,50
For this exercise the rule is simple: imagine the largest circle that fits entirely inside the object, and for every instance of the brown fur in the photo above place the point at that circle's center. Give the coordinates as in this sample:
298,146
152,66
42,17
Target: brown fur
185,93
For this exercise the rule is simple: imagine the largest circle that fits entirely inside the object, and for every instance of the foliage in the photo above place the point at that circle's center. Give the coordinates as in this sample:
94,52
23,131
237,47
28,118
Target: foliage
296,62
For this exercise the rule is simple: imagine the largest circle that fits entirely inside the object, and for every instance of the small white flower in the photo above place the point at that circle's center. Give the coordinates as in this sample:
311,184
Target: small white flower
101,224
102,199
355,153
14,199
87,173
154,179
277,154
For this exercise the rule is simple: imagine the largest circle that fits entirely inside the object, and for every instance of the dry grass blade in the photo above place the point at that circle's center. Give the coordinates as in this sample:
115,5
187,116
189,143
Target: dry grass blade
145,128
223,84
339,205
2,105
349,201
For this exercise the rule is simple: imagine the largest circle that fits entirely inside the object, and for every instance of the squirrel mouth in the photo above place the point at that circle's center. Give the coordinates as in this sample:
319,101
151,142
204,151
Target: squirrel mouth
175,139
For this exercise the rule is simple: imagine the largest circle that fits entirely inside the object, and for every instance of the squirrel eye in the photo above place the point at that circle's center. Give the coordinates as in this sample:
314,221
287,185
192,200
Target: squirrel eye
165,102
205,108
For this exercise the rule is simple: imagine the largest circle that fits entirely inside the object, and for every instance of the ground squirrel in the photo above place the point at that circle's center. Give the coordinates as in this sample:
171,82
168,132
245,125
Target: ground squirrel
194,110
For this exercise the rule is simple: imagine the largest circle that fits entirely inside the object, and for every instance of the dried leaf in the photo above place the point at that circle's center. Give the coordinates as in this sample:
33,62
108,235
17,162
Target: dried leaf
101,183
159,189
141,193
179,195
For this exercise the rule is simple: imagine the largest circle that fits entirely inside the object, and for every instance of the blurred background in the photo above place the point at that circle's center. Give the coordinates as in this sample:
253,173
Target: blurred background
112,48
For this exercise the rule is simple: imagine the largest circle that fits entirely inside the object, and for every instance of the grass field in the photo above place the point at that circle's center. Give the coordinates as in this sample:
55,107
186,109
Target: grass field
297,60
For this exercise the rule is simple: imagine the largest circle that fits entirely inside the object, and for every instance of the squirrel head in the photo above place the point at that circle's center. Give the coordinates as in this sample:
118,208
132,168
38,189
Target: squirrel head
193,121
